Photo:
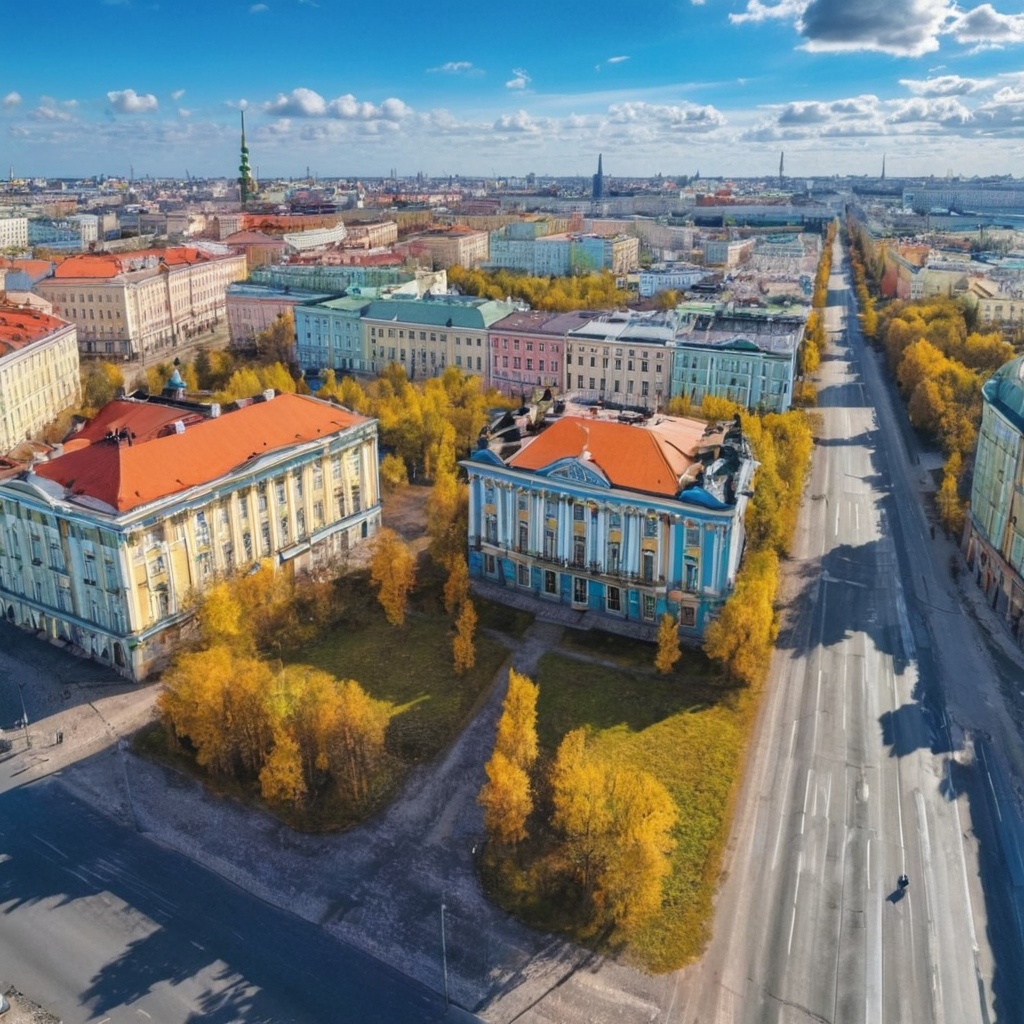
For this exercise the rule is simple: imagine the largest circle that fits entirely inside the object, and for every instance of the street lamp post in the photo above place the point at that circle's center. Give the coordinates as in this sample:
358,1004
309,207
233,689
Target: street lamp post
24,714
444,958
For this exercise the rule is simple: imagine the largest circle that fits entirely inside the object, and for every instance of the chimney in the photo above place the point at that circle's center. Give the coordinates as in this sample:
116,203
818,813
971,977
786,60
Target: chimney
179,426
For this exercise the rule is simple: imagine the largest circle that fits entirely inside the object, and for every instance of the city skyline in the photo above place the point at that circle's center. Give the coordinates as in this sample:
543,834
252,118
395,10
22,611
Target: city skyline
718,87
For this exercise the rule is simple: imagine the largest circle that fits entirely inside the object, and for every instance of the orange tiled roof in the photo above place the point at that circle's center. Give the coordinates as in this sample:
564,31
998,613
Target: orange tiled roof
105,265
126,476
634,458
34,268
145,421
20,326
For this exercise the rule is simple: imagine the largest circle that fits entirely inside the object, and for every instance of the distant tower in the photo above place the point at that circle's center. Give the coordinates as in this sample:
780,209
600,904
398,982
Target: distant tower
883,167
782,167
599,179
246,186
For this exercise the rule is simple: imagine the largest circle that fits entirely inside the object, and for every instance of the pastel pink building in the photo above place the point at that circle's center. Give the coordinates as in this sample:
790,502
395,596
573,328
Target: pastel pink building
528,350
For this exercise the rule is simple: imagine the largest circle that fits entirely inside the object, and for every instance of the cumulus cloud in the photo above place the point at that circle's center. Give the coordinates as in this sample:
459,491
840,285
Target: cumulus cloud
985,26
182,112
520,121
943,110
304,102
520,79
12,100
906,28
945,85
128,101
299,102
177,94
671,117
455,67
258,8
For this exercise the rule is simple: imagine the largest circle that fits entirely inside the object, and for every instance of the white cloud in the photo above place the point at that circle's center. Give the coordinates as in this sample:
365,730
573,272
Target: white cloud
520,79
258,8
12,100
128,101
48,112
394,109
182,112
943,110
616,60
237,104
177,94
666,117
455,67
520,121
985,26
299,102
945,85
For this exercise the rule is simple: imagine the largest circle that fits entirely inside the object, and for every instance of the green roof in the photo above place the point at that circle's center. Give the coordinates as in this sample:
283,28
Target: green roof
441,311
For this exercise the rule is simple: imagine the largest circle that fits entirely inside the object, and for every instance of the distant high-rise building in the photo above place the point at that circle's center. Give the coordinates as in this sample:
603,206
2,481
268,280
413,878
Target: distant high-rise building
782,167
246,186
883,167
599,179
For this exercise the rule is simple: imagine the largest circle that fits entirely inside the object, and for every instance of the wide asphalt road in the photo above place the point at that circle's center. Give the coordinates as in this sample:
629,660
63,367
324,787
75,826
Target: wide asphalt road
100,924
879,752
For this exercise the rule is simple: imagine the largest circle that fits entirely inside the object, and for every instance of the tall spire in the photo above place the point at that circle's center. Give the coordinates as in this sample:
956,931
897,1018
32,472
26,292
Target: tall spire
246,186
598,190
883,167
782,166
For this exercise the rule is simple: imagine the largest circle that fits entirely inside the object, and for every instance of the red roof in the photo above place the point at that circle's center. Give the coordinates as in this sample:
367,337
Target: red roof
126,476
145,421
104,265
655,459
22,325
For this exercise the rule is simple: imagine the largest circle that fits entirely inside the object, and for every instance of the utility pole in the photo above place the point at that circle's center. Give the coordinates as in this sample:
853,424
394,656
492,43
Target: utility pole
444,958
24,714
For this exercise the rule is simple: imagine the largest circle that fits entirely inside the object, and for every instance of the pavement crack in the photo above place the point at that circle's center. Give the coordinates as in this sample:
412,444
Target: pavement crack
811,1015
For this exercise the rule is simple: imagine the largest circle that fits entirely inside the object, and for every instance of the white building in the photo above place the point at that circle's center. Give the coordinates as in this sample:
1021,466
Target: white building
13,233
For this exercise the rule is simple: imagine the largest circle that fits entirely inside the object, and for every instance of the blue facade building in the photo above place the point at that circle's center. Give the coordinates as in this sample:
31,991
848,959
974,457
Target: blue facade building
627,522
329,333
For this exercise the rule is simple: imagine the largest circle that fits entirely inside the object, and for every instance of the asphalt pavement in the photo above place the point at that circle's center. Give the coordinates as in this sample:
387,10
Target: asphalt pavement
100,924
882,749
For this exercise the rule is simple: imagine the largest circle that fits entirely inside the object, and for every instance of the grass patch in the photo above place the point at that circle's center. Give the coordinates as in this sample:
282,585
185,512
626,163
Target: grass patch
690,731
410,665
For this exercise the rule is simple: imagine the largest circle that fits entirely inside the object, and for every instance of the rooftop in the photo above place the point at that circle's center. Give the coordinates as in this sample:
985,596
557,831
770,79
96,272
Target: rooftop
98,266
661,457
20,326
129,457
441,311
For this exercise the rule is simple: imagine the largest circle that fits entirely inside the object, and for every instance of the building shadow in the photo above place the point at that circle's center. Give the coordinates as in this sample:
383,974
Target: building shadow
248,960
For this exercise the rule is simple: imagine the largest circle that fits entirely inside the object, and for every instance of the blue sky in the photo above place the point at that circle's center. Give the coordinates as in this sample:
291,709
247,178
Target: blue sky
672,87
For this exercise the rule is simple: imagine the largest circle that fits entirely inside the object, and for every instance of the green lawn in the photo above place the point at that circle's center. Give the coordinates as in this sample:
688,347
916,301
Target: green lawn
690,731
409,665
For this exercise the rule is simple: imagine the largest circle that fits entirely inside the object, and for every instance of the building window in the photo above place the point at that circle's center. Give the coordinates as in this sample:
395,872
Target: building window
202,530
650,527
318,513
247,542
524,574
490,565
265,533
689,615
279,486
579,551
693,536
549,543
649,606
614,555
491,529
89,573
648,566
524,537
550,582
243,508
614,599
578,512
300,523
579,590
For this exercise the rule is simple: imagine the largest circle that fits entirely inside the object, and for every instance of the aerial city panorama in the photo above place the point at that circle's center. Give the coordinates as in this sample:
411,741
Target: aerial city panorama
512,514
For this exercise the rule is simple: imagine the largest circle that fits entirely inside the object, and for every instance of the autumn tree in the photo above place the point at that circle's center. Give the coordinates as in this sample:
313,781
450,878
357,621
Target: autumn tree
463,646
393,474
741,637
100,384
355,745
281,777
277,343
456,587
506,800
393,573
517,726
636,849
668,645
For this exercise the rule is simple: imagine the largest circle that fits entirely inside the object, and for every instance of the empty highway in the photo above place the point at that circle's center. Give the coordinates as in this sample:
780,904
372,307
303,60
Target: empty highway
880,750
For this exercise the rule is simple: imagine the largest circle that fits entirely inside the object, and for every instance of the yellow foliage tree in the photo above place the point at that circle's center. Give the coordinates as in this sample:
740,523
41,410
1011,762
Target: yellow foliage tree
463,645
356,743
506,800
393,573
517,726
668,645
741,638
636,850
281,777
456,587
393,474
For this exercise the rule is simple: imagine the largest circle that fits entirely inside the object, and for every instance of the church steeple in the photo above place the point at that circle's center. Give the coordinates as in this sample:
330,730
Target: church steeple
246,186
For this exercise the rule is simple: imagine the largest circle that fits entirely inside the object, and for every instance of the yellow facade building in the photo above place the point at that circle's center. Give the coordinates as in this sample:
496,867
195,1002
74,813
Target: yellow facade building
103,547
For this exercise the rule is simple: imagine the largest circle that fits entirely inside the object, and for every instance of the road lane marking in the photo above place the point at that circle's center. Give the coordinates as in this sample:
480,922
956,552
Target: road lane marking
50,845
792,926
785,795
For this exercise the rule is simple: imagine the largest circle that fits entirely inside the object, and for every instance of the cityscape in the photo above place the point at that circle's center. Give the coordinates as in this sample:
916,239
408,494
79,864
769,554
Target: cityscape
513,527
